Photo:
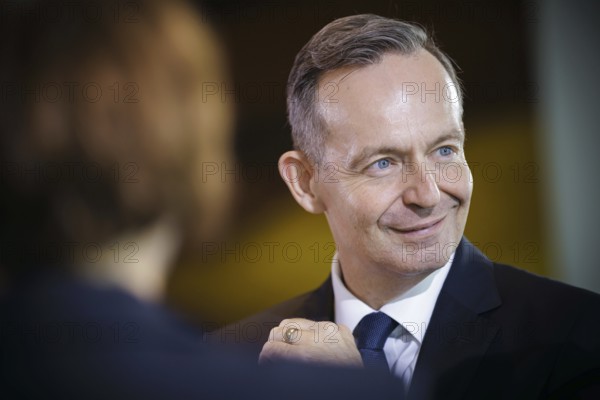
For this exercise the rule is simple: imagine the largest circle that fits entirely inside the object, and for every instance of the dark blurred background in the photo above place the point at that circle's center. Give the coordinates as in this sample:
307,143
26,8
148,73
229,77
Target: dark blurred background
276,250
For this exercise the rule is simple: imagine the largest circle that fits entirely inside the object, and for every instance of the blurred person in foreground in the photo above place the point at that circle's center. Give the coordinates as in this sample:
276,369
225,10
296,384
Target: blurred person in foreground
104,130
375,109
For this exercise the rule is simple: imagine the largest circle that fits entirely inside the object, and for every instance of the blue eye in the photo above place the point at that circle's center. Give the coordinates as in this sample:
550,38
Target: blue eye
445,151
383,163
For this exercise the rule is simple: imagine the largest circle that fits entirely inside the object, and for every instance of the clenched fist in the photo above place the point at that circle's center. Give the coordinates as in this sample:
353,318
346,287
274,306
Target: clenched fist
306,341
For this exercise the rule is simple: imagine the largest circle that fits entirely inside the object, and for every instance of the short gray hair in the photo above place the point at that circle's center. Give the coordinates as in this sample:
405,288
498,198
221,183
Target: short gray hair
356,40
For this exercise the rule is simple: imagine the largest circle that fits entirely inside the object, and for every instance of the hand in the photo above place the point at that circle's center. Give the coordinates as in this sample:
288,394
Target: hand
313,342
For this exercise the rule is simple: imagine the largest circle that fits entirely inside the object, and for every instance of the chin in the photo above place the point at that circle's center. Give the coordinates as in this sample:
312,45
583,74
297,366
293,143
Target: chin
416,264
420,268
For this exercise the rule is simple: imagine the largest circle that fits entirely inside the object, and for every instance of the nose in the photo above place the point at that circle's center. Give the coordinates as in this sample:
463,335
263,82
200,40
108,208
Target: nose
422,189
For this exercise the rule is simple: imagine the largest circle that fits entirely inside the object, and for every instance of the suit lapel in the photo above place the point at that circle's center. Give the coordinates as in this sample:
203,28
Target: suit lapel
319,304
458,335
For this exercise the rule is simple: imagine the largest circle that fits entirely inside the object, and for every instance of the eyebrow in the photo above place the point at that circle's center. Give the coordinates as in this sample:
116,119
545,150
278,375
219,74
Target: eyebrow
451,135
369,151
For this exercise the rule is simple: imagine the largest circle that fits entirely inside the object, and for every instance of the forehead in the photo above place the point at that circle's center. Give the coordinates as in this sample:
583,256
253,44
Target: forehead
400,89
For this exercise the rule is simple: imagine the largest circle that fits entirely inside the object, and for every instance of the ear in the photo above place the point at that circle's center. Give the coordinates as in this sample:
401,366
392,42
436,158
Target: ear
298,174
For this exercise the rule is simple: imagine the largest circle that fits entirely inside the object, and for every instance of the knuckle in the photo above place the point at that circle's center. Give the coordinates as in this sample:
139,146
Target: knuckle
284,322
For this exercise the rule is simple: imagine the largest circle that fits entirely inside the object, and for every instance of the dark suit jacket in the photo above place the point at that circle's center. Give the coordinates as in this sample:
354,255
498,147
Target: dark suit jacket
62,338
496,332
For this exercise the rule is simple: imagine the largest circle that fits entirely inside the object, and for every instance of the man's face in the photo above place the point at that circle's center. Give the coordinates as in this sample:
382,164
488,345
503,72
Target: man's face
393,180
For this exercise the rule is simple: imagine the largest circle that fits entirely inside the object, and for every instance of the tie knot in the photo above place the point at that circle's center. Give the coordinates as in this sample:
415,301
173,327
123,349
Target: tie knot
373,330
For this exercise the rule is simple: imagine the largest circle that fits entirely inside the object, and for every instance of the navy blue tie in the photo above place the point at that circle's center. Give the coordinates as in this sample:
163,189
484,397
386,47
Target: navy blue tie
371,334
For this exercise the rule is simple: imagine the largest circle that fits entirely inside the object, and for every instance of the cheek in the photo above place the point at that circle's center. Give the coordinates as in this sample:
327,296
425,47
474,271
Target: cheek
355,207
456,180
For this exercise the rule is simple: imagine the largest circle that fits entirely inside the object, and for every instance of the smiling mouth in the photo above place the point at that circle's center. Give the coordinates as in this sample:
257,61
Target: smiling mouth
424,228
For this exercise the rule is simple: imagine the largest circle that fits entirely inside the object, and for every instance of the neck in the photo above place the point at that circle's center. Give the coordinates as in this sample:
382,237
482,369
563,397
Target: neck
378,289
138,262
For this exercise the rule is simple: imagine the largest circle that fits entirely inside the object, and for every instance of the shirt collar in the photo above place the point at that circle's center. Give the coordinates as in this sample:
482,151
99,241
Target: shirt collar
413,309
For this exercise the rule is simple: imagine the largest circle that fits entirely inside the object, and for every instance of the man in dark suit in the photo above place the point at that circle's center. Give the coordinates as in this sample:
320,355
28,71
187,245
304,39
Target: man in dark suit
376,115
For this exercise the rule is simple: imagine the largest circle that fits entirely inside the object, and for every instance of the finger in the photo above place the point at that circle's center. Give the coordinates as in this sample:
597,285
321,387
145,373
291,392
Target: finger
276,335
344,330
325,332
291,330
308,325
300,323
272,352
264,356
290,334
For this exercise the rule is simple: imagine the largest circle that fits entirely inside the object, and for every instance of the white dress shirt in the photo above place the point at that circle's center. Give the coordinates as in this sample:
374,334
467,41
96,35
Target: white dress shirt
412,311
